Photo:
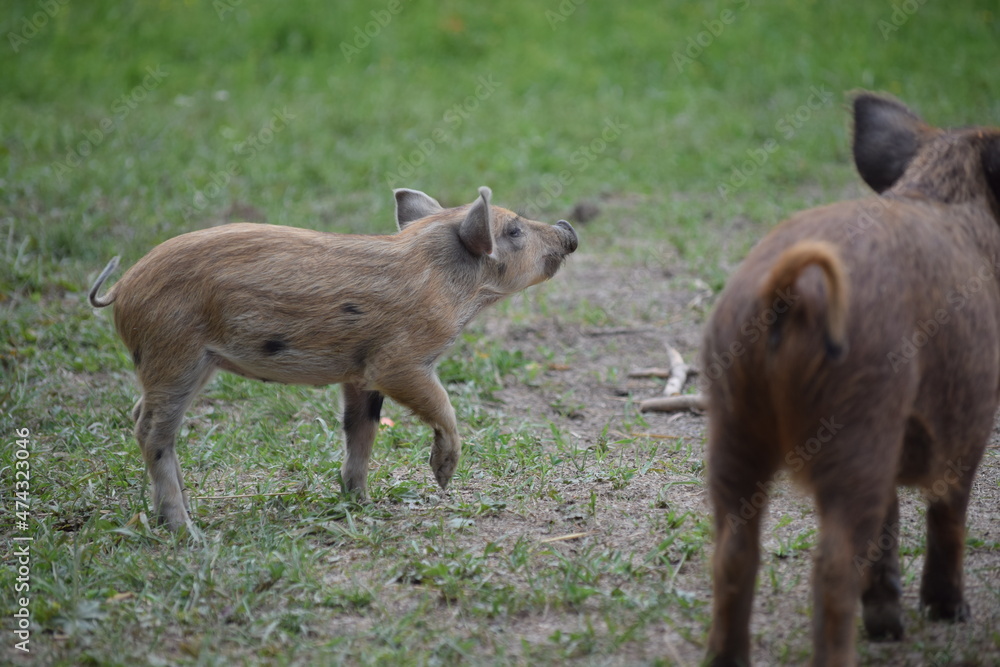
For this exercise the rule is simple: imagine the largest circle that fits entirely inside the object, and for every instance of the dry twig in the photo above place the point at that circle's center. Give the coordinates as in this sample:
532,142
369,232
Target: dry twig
564,538
678,373
654,372
694,402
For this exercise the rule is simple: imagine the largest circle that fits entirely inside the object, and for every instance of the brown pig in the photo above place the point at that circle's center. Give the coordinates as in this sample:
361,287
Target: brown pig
858,347
280,304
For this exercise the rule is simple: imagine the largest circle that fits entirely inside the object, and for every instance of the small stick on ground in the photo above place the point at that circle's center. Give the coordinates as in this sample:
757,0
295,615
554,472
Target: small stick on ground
693,402
678,373
563,538
654,372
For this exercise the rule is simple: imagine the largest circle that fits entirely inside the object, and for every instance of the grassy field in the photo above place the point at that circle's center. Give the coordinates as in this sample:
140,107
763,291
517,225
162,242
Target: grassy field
575,530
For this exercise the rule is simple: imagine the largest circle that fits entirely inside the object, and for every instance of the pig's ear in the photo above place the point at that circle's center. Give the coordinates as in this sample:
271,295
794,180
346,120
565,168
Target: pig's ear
476,230
886,137
412,205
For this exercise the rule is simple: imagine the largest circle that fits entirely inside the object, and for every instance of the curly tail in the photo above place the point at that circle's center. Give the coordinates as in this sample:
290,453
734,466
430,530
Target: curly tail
786,271
107,299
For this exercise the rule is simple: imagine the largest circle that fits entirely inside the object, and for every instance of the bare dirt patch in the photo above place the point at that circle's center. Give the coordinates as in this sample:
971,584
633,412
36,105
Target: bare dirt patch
585,390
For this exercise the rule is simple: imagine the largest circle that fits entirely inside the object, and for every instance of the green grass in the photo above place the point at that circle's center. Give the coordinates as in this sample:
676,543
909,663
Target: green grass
123,124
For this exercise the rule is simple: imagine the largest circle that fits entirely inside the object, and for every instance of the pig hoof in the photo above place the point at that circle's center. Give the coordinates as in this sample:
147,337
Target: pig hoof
356,492
883,622
359,496
948,610
444,472
174,518
443,477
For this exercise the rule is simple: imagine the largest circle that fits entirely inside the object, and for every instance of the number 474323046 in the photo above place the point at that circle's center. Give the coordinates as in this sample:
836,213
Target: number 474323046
22,477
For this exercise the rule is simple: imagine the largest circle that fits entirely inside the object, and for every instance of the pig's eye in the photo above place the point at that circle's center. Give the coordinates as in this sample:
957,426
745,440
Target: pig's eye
515,232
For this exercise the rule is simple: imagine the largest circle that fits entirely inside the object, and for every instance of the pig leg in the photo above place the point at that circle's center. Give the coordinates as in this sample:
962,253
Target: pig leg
836,587
882,584
421,391
852,500
941,585
158,416
361,416
738,476
136,411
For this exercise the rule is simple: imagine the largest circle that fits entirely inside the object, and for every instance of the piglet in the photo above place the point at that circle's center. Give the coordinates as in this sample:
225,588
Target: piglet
281,304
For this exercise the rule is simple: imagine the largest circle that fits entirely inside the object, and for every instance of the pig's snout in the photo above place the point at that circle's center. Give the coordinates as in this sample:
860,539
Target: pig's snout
568,234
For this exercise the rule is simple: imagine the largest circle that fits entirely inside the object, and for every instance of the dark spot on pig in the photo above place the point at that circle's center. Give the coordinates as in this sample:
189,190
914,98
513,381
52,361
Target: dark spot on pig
274,346
352,309
136,357
350,421
159,454
375,400
834,351
356,415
